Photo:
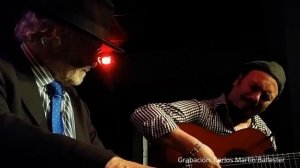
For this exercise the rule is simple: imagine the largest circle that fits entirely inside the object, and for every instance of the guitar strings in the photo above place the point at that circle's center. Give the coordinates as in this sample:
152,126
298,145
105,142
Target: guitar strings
291,159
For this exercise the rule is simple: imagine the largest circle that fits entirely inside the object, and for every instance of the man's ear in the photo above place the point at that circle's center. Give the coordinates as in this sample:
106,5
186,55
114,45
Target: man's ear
54,36
29,36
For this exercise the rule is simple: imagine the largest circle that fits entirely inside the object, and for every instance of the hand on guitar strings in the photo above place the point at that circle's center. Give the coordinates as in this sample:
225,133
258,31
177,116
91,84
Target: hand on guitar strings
205,158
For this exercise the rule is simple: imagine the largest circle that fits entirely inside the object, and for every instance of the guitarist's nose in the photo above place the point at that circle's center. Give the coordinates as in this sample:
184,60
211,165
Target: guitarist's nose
255,97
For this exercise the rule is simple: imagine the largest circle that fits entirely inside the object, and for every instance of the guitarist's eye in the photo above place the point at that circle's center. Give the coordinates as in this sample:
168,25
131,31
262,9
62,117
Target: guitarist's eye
265,97
254,88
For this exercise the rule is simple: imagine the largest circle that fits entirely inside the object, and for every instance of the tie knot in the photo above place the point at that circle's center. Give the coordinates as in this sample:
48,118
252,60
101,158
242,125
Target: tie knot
56,88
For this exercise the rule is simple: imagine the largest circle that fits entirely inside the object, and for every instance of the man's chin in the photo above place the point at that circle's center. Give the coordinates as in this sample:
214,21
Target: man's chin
249,113
77,82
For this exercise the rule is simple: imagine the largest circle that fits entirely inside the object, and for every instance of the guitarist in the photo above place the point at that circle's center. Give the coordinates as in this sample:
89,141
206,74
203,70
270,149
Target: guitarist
256,86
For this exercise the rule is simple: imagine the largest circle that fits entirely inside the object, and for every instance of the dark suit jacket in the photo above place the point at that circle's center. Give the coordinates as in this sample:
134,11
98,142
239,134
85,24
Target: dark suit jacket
24,132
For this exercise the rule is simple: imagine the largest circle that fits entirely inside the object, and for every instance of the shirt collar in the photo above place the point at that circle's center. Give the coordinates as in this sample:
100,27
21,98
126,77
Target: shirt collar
221,107
41,73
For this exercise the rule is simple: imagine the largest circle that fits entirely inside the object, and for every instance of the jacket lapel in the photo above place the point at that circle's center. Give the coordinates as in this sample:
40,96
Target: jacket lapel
30,96
33,102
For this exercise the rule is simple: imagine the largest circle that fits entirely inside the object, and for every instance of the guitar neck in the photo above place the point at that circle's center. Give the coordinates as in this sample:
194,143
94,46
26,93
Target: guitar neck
288,160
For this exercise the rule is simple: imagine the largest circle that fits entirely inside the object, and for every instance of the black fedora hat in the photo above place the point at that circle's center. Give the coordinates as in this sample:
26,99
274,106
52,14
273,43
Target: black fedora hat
92,16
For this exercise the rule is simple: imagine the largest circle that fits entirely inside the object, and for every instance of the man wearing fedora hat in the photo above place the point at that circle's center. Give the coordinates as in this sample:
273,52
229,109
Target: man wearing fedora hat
257,84
58,44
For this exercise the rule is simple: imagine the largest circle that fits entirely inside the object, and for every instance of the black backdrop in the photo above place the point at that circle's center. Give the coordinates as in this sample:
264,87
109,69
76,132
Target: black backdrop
184,50
187,49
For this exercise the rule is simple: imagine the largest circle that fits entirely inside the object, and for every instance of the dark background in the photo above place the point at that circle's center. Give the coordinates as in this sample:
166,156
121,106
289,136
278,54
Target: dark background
188,49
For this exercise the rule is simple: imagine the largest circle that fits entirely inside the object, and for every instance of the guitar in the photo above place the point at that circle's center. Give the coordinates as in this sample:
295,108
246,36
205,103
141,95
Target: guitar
245,148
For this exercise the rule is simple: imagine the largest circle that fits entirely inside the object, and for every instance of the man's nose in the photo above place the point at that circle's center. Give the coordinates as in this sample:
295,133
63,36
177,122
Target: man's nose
255,97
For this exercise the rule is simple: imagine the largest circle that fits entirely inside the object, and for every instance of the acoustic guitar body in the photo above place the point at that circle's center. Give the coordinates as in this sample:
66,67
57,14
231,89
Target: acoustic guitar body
246,142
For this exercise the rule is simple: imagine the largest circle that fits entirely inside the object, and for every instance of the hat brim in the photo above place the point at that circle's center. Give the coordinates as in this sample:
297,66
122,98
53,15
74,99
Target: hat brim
96,22
93,29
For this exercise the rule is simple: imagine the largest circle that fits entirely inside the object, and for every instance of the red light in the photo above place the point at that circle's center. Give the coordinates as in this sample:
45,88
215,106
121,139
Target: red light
106,60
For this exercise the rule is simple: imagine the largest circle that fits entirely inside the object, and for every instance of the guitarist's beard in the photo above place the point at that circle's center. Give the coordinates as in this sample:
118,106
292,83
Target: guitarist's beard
237,115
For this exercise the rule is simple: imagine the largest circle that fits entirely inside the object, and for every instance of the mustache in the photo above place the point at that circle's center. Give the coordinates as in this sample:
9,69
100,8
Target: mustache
253,105
250,101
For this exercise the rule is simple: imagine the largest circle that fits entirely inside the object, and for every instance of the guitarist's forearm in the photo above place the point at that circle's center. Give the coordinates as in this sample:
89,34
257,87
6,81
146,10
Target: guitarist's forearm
188,145
180,141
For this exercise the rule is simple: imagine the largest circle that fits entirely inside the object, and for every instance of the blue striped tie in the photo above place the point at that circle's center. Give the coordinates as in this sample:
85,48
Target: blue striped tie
56,90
